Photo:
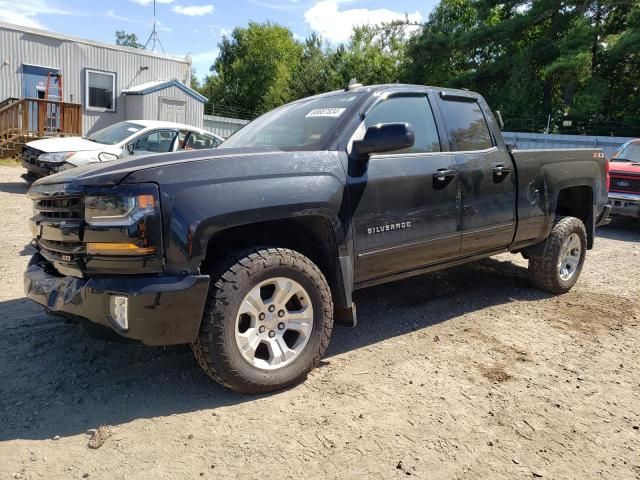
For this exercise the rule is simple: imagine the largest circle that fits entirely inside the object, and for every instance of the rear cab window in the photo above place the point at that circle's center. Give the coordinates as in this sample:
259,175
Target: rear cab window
466,125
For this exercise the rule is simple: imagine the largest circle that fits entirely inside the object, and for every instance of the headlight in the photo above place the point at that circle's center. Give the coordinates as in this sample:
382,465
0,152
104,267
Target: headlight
63,167
55,157
116,210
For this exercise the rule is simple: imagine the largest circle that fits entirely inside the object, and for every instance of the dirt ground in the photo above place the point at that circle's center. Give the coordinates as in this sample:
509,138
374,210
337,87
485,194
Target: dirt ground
463,374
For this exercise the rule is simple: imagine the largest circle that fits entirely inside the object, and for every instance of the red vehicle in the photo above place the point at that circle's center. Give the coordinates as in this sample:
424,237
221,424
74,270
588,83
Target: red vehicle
624,185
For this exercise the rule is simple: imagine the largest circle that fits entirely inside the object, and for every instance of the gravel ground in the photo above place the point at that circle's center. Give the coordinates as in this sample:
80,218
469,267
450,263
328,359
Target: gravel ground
467,373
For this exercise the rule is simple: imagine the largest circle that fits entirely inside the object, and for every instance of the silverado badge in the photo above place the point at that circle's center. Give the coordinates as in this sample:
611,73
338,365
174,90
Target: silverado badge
388,227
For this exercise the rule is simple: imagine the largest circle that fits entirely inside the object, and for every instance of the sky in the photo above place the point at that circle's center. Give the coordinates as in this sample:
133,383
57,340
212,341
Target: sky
195,27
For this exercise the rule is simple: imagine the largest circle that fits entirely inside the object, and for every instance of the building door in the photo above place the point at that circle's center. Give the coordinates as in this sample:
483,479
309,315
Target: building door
172,110
34,82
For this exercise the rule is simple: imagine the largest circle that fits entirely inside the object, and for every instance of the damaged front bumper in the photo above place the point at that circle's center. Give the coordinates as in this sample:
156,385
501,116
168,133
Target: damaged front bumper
625,204
160,310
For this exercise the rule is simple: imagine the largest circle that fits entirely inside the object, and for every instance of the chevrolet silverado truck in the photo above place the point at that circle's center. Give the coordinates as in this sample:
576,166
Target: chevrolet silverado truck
250,251
624,186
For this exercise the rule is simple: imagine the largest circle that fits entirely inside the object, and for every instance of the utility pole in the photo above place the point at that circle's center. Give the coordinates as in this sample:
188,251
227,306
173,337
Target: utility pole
154,37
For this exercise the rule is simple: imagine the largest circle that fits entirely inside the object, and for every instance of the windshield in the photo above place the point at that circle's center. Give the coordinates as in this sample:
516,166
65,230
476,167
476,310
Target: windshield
628,153
115,133
304,125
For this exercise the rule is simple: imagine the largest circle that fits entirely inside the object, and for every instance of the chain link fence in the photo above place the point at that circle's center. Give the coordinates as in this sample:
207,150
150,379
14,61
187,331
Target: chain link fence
568,125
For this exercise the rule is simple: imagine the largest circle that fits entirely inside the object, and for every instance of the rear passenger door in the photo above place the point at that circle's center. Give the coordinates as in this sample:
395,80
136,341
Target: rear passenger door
486,177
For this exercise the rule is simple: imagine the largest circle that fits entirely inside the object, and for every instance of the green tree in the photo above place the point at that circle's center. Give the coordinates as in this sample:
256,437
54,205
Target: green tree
127,39
255,68
564,58
194,82
374,54
315,73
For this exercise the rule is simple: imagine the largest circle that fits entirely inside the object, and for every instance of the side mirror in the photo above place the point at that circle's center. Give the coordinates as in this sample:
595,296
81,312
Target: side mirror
107,157
383,137
130,148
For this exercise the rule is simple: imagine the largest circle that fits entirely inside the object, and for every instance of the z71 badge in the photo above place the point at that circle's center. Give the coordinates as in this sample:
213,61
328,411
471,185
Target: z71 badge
388,227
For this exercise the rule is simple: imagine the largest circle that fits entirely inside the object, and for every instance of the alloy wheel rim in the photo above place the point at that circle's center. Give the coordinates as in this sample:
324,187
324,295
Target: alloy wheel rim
569,257
274,323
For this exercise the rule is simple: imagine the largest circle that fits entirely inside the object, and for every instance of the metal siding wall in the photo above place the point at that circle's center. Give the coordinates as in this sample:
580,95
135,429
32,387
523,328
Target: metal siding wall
134,107
151,105
72,58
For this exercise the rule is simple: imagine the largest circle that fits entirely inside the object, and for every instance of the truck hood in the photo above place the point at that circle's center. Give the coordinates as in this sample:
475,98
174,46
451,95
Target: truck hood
113,172
66,144
624,167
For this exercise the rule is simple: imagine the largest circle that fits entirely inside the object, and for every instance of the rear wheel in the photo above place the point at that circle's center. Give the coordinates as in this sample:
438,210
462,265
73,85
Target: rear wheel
557,267
267,321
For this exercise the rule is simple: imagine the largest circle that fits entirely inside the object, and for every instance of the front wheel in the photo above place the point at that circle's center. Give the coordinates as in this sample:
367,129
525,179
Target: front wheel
267,321
557,268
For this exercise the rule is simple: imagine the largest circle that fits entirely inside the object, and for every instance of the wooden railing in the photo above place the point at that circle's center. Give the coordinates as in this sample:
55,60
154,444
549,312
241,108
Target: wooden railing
33,117
8,101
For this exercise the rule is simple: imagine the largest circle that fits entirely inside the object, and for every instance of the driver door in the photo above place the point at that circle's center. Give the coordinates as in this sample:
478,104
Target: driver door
404,203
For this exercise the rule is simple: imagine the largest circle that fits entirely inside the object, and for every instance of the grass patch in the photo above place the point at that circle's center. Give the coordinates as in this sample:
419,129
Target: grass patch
10,162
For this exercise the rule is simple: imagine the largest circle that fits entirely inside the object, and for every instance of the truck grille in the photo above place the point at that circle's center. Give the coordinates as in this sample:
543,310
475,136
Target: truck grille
624,184
67,252
61,208
58,219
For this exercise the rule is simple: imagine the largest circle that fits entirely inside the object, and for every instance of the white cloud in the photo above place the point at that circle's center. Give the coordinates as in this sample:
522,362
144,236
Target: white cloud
204,57
19,18
25,12
144,3
277,4
326,18
115,16
161,27
193,10
201,62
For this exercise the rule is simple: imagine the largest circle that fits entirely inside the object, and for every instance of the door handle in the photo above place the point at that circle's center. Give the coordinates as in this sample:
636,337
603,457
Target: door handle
500,172
444,174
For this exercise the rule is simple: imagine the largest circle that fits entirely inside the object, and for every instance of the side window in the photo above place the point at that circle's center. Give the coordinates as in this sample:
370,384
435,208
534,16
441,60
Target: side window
156,142
199,141
414,110
466,126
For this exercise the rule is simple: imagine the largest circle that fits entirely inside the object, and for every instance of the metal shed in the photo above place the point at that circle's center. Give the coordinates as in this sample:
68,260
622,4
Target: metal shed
167,100
94,74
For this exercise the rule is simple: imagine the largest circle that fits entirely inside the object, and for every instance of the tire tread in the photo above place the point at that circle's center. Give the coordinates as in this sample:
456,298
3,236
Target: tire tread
208,348
543,270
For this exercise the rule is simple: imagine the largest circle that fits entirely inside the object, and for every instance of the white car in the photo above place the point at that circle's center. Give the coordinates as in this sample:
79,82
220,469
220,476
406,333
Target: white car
133,137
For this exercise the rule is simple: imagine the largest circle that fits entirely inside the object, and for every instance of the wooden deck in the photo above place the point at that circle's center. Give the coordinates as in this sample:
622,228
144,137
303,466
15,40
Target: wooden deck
25,119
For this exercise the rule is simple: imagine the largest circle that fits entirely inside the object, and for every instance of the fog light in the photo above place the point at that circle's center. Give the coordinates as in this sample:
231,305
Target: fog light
118,308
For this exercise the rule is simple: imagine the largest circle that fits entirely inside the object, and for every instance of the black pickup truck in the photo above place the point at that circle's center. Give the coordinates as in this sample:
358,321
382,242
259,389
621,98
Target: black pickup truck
249,252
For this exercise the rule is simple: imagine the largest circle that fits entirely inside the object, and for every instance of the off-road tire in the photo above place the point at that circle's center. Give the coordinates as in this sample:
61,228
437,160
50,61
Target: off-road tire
543,266
232,278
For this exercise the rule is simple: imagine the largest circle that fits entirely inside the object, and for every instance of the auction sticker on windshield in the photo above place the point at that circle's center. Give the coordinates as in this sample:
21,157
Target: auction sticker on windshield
325,112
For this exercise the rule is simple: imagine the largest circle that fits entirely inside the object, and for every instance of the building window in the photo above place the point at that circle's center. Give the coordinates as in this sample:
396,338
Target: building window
100,92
